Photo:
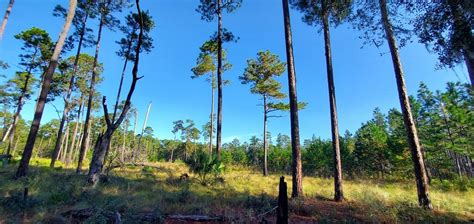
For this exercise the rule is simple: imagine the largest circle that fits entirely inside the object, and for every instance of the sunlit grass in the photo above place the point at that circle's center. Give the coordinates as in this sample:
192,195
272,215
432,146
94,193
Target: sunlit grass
244,193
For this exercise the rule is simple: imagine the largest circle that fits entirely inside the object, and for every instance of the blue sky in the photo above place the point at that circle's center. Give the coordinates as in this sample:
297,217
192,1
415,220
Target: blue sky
364,78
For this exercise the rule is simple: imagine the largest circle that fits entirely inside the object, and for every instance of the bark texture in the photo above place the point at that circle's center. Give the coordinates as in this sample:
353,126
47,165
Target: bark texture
412,135
30,142
297,170
338,192
5,18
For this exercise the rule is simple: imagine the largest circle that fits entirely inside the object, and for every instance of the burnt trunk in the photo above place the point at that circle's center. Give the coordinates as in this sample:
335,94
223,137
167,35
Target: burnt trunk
219,80
338,193
85,135
412,135
297,170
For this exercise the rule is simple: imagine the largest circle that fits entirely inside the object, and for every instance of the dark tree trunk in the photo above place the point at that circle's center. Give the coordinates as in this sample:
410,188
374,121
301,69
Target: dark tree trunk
412,135
85,135
469,58
219,79
338,192
103,141
265,143
67,99
5,18
30,142
120,85
212,115
297,170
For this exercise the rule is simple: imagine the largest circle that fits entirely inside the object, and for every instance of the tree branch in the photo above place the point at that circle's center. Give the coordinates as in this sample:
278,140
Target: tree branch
106,111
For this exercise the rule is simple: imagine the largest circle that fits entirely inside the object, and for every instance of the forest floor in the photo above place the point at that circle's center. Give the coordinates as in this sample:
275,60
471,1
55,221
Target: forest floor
156,192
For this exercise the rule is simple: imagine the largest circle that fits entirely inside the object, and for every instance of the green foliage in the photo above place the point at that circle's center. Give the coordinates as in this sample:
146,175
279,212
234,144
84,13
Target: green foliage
204,164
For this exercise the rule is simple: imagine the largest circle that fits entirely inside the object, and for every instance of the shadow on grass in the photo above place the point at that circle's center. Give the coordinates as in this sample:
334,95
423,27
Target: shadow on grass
142,195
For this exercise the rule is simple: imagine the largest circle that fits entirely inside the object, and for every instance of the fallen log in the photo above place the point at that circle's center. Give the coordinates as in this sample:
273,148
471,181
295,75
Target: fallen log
196,218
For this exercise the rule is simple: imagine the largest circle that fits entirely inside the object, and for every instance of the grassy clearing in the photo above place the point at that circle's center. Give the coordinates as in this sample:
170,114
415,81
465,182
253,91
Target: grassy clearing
242,197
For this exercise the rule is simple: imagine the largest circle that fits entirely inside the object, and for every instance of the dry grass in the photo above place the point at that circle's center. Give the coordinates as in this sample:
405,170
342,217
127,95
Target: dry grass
243,196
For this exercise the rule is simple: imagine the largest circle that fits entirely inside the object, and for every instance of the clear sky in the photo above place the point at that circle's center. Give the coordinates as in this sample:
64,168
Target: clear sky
364,77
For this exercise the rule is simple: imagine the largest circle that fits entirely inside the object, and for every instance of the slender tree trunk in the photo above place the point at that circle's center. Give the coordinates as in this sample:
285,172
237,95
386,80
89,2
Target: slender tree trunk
219,80
65,146
412,135
61,148
212,115
137,152
265,142
82,151
21,102
39,147
338,192
67,98
74,135
25,159
5,18
122,153
121,82
297,170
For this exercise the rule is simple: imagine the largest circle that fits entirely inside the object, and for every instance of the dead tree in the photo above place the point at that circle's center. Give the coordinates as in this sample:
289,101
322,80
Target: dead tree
103,141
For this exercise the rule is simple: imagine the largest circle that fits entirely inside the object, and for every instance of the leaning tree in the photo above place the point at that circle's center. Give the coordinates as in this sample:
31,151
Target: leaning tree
48,76
103,141
84,38
209,10
383,21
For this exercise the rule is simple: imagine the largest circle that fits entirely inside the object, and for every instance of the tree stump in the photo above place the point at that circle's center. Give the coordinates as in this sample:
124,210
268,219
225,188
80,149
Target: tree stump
282,210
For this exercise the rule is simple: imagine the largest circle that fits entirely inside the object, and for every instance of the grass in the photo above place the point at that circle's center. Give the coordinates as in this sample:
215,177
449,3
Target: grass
244,195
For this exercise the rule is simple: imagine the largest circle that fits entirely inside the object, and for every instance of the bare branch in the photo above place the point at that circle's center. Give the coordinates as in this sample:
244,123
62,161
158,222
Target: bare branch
106,111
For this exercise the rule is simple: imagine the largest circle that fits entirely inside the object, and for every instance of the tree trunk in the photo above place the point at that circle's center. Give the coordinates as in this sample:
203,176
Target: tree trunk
25,159
74,135
137,152
265,142
121,82
338,192
412,135
67,99
103,141
101,145
5,18
297,171
219,80
85,135
212,115
64,147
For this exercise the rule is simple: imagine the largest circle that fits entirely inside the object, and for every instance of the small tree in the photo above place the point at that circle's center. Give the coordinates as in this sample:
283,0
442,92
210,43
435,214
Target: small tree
261,75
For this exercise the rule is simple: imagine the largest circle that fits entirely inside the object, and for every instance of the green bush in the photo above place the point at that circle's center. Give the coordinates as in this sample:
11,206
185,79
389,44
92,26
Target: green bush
203,165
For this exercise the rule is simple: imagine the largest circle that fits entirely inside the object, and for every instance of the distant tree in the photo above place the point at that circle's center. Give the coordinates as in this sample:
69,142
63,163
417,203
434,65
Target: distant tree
321,13
209,10
38,114
445,27
103,141
297,170
374,19
36,47
261,73
5,18
80,69
206,63
178,126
